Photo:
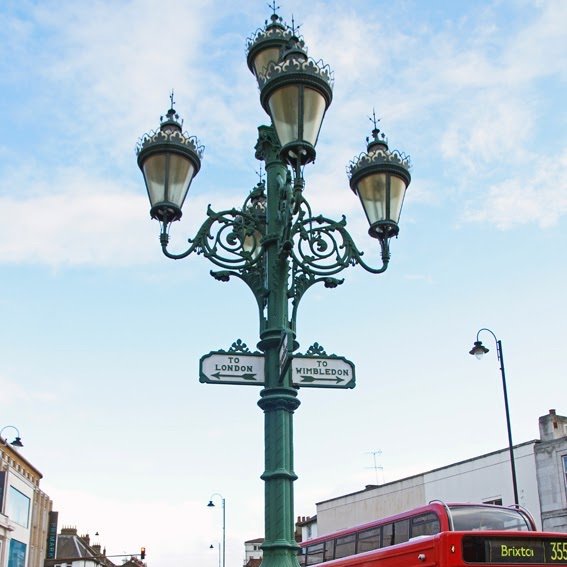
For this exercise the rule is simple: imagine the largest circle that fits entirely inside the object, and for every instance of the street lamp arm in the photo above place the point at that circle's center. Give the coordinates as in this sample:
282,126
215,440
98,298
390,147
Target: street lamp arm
323,247
229,239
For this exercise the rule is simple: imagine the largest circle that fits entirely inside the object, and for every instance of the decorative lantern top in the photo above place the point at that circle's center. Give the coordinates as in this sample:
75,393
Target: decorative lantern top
170,132
378,154
266,44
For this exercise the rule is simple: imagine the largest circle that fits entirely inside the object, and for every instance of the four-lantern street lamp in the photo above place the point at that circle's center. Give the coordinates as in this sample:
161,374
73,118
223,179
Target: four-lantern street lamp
274,243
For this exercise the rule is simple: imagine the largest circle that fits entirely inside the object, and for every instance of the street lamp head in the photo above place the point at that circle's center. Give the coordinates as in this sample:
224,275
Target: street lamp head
17,442
296,92
252,223
265,46
380,178
478,350
211,504
169,159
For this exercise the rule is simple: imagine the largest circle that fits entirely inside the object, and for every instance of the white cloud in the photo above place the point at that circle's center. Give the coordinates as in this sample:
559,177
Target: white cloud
539,196
14,393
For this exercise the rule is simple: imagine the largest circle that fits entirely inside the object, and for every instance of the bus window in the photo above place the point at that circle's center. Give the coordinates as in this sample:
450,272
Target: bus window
329,550
426,524
369,540
401,531
344,546
473,518
314,554
387,535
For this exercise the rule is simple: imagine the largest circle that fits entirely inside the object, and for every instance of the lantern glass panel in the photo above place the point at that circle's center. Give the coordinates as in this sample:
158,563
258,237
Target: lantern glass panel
168,177
251,243
284,108
264,58
397,192
372,192
313,111
181,172
154,175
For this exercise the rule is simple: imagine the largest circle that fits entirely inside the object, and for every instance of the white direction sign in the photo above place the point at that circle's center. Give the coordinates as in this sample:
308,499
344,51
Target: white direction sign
320,372
232,368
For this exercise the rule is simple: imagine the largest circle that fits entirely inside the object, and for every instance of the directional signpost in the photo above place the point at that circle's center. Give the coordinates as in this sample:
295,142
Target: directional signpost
232,368
322,372
315,369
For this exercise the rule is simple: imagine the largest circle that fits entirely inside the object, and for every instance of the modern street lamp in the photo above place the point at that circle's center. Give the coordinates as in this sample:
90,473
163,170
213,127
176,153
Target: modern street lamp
479,350
274,243
219,549
211,504
17,442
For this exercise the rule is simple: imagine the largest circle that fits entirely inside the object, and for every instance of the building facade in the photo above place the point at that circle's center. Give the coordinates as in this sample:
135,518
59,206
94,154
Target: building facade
74,550
24,511
551,469
541,470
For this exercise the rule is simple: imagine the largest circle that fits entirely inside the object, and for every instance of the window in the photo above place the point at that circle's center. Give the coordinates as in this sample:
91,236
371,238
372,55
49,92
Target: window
314,554
345,546
369,540
401,531
387,535
329,550
18,509
17,554
2,482
426,524
564,458
497,501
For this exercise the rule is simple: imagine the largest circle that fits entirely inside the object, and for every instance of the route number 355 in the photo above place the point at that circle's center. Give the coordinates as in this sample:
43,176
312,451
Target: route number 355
558,551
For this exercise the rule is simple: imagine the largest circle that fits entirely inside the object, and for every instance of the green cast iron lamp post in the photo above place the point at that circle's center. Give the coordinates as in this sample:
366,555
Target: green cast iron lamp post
274,243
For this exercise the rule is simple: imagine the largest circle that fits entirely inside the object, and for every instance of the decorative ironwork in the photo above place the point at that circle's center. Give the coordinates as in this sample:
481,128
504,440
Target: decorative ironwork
170,136
239,346
297,65
316,350
378,156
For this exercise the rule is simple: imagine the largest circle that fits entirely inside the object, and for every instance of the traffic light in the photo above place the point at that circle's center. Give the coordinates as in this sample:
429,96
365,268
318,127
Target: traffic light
142,553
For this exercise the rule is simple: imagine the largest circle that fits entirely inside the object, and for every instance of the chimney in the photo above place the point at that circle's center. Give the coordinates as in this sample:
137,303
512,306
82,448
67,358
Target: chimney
552,426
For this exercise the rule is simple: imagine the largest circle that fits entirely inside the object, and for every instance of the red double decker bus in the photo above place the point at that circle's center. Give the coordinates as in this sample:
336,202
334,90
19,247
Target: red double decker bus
440,535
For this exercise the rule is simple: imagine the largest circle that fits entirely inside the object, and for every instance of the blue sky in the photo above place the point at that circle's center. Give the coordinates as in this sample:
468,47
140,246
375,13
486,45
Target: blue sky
102,335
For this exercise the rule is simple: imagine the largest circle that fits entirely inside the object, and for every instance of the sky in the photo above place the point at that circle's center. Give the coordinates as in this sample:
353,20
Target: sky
101,335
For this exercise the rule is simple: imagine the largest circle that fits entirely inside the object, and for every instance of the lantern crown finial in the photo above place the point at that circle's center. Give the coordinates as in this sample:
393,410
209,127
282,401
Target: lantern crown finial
378,140
171,122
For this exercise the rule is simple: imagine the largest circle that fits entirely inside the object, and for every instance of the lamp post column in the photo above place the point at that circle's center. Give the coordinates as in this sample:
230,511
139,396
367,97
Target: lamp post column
508,426
278,398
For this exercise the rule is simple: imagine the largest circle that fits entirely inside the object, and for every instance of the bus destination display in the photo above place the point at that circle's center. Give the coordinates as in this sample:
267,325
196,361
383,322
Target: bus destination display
482,549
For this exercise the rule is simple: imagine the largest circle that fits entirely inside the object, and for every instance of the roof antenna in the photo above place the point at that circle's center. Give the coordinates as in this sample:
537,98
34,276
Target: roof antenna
376,466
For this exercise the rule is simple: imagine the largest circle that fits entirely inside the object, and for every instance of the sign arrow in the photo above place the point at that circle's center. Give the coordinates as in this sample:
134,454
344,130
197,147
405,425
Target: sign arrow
218,376
314,379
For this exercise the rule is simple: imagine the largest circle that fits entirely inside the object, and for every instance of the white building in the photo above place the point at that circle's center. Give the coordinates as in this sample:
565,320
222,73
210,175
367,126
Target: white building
541,470
24,511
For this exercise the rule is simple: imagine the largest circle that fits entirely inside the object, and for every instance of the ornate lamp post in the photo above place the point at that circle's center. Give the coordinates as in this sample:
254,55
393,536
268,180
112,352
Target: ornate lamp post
479,350
211,504
274,243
